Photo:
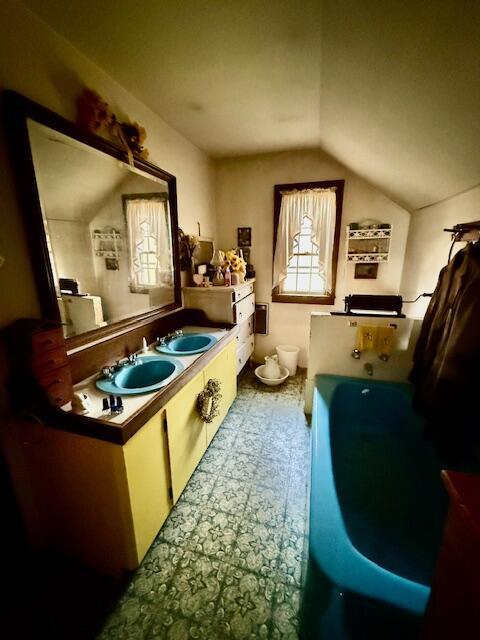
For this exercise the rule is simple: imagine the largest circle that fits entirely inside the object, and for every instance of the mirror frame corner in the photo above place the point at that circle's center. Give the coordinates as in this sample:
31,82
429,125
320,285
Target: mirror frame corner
17,111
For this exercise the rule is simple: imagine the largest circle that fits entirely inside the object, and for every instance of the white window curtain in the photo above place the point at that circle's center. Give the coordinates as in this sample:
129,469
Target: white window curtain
320,206
149,242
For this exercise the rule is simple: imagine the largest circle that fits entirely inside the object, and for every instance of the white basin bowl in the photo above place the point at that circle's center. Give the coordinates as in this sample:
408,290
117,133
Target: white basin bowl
271,382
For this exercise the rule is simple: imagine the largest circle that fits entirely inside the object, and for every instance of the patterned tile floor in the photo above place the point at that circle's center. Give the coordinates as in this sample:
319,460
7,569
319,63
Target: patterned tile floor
228,562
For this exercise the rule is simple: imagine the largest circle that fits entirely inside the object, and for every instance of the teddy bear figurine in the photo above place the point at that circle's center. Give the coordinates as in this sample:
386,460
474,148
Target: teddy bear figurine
93,112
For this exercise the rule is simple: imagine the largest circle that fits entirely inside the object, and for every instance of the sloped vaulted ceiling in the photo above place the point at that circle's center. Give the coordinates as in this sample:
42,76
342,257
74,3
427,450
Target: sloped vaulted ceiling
389,88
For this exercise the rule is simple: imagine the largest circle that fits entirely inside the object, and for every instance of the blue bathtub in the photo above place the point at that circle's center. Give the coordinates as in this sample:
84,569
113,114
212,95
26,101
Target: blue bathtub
377,509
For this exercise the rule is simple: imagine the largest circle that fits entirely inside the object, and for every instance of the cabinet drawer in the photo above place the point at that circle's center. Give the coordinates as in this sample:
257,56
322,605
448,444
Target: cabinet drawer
57,385
244,309
47,340
245,330
244,353
49,360
242,293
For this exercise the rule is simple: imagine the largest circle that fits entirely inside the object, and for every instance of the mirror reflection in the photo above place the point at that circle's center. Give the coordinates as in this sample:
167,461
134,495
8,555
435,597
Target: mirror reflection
108,231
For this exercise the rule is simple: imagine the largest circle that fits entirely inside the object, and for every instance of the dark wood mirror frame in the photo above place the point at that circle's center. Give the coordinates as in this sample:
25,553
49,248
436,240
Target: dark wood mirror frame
18,110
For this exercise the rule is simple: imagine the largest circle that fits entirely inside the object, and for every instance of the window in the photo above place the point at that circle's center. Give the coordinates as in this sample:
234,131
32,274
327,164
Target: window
303,267
149,241
307,229
147,257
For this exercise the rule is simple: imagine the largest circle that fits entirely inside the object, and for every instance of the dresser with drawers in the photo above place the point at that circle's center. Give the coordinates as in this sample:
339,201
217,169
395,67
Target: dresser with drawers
234,305
39,366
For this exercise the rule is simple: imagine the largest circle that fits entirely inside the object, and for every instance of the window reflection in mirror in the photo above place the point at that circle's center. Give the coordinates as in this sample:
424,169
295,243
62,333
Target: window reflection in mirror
108,230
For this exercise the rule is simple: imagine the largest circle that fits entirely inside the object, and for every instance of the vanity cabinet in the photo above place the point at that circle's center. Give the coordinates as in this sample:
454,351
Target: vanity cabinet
187,441
235,305
100,502
223,368
188,436
148,477
104,503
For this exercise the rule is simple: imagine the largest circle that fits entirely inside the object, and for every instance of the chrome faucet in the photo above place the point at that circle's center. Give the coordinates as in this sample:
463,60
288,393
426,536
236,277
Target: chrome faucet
109,371
368,366
170,336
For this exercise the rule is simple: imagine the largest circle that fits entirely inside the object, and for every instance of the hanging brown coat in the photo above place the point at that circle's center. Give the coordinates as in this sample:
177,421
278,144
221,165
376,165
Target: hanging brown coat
446,370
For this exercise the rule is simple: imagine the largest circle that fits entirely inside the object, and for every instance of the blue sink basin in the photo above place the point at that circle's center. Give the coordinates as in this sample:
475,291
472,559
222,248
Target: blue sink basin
149,374
189,344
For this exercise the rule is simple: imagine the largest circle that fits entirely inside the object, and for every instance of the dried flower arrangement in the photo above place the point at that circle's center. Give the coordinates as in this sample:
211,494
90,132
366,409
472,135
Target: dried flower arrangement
235,262
187,245
94,114
208,401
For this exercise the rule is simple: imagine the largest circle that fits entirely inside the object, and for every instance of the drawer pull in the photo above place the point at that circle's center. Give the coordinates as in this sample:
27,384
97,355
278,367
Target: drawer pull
53,383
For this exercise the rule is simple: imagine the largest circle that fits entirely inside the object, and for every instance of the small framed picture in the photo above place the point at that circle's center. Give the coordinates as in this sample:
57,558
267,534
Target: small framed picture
244,236
366,270
112,264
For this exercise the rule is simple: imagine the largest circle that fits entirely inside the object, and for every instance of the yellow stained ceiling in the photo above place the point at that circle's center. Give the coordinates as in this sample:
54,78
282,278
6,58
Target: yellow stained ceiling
391,89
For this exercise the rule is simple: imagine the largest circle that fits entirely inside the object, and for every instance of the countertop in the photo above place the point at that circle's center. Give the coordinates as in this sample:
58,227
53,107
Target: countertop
222,289
137,408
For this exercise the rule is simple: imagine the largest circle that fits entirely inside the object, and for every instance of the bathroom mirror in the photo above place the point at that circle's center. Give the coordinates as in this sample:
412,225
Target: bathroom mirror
103,232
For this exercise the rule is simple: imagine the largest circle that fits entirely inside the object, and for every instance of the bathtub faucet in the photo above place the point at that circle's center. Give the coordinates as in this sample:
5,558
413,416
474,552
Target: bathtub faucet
368,366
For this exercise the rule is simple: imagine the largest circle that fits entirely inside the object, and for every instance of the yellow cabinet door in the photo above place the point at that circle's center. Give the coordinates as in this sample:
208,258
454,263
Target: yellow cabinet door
148,477
224,369
187,440
104,503
86,500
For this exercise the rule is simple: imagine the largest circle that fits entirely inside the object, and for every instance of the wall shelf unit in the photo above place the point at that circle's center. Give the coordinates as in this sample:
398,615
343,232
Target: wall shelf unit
107,244
368,244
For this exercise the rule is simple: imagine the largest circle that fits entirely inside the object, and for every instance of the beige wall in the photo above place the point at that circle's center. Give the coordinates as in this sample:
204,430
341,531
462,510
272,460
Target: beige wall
332,339
38,63
244,198
428,245
72,249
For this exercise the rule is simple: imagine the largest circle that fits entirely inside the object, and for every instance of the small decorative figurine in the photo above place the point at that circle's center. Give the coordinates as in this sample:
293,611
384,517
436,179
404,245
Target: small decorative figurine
94,114
218,280
81,403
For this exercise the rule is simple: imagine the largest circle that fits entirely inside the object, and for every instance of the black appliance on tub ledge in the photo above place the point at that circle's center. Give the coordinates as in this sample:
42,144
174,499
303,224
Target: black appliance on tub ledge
372,305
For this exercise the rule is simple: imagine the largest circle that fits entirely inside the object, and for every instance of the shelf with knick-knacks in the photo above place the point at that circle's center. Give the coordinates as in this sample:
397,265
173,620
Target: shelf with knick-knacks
107,243
368,242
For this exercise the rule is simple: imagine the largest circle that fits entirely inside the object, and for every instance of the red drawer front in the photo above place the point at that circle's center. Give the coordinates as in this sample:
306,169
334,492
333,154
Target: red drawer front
57,385
47,340
453,609
49,360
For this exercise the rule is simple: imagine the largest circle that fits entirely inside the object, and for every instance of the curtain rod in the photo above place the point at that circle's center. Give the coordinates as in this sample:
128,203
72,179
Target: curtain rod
319,189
